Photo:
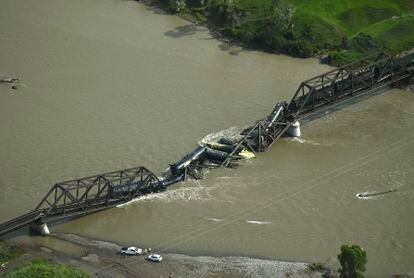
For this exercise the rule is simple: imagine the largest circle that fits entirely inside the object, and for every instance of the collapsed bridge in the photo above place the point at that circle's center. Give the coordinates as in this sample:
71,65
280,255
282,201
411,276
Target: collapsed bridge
349,82
87,195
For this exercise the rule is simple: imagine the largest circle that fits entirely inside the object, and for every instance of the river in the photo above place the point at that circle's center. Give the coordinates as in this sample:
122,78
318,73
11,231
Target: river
113,84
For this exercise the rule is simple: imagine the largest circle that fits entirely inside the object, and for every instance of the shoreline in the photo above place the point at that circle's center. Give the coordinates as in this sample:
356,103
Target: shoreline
102,259
332,43
213,31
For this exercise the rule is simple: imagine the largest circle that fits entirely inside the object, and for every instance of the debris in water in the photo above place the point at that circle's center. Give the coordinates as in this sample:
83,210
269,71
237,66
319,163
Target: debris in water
13,81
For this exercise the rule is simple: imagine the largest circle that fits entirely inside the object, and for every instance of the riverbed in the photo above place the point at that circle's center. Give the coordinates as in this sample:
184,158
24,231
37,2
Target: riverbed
113,84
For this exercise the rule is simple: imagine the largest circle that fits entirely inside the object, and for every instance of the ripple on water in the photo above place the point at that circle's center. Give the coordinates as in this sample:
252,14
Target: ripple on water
232,132
189,191
258,222
214,219
303,141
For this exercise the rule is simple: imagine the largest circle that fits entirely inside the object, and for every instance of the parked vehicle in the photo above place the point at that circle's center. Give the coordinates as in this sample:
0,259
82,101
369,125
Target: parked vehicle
154,258
131,250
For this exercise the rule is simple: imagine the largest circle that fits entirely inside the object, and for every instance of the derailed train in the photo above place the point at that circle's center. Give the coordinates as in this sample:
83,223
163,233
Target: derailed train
215,154
142,187
209,155
319,91
204,156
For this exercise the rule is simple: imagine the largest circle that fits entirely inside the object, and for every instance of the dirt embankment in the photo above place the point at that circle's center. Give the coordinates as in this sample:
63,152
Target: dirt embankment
102,259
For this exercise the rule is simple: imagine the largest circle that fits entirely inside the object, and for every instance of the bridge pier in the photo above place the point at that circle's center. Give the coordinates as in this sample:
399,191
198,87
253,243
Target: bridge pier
294,130
42,228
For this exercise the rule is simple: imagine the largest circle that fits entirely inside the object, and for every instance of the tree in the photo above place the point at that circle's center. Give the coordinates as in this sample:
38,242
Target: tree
177,5
222,7
281,15
353,259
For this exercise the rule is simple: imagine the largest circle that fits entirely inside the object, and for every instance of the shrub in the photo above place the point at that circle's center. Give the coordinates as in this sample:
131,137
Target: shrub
43,268
353,259
8,252
299,48
177,5
364,42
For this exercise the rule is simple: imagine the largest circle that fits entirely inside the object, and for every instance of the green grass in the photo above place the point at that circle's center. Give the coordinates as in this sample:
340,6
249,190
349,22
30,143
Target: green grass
43,268
331,20
397,33
349,15
347,29
8,252
337,58
390,23
252,4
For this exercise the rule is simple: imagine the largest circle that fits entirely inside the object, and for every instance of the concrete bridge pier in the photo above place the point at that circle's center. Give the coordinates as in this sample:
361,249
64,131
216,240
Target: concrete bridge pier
42,228
294,130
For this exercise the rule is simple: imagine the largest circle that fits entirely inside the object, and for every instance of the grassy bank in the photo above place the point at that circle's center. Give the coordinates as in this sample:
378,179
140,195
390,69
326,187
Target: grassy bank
8,252
344,29
43,268
11,255
353,28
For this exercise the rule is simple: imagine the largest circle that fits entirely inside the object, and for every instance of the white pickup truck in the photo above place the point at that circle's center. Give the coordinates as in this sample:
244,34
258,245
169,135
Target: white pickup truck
131,250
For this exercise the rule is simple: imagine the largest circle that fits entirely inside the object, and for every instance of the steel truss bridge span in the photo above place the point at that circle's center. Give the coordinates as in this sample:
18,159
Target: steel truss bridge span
348,82
86,195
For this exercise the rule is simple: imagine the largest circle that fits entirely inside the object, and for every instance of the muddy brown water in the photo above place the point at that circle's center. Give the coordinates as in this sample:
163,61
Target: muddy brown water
112,84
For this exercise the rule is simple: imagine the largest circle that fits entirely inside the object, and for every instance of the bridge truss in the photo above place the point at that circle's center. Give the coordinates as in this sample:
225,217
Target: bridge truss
86,195
332,87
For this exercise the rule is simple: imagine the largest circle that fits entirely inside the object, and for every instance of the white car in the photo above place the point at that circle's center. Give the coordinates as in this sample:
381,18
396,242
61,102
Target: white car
154,258
132,250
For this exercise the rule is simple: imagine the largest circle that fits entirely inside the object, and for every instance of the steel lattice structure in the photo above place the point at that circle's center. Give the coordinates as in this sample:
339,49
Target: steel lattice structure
332,87
348,81
86,195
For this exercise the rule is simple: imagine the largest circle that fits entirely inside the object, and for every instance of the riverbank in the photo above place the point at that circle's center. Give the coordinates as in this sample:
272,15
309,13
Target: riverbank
102,259
338,32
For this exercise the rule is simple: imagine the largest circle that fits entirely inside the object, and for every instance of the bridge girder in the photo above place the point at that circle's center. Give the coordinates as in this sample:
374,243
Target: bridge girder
85,195
365,74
